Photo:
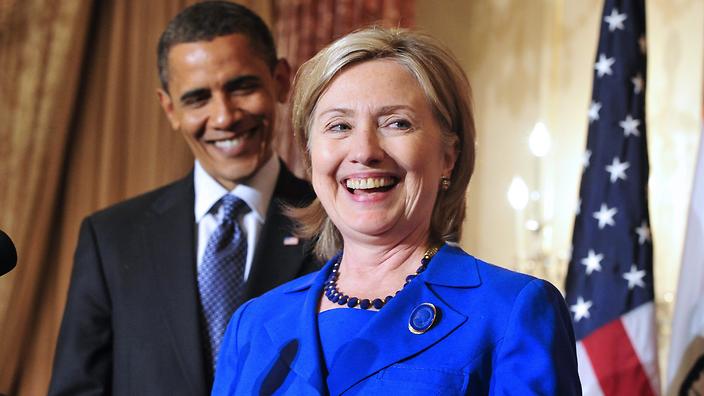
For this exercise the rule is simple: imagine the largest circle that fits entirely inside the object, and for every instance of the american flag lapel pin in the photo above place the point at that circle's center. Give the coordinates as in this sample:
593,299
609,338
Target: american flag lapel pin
290,241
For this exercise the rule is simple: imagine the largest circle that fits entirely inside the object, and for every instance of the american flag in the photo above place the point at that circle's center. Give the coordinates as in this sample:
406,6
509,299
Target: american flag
610,278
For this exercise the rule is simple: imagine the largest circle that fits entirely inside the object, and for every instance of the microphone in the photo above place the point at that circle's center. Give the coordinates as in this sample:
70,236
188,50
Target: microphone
8,254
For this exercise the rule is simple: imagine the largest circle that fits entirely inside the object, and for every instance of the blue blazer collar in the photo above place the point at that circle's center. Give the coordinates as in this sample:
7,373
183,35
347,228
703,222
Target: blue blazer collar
459,269
386,339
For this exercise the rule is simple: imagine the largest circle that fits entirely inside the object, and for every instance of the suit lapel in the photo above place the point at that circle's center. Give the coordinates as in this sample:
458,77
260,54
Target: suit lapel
387,340
169,237
276,262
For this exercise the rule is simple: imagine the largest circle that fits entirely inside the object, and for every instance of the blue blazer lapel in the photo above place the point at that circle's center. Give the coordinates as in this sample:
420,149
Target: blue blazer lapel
300,329
387,339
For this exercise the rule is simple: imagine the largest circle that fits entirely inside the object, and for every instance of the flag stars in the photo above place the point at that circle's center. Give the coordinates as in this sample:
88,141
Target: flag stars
630,126
605,216
603,66
643,233
581,309
592,261
634,277
615,20
637,83
586,157
594,108
617,170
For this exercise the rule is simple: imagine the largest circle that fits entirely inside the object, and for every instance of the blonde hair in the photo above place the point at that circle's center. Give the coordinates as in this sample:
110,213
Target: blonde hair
447,90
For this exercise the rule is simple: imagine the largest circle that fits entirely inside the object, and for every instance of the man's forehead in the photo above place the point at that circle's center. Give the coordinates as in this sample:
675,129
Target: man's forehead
227,56
238,45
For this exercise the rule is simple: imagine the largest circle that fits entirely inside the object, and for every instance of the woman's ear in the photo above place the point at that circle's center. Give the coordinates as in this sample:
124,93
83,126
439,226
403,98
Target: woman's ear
451,155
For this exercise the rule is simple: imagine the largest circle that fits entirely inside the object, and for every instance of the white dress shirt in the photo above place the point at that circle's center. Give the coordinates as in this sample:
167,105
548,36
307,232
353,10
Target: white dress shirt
256,192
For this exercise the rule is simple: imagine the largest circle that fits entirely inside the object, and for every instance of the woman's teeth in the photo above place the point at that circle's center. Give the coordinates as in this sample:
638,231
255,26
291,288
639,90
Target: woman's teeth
369,182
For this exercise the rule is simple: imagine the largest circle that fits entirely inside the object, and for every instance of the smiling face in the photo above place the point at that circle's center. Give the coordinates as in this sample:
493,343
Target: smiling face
222,98
377,154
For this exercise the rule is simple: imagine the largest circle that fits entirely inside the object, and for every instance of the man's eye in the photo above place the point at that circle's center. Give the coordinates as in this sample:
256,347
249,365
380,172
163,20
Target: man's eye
194,101
244,89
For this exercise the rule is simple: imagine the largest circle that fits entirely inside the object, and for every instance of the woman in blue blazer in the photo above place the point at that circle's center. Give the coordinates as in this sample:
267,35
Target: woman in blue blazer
385,119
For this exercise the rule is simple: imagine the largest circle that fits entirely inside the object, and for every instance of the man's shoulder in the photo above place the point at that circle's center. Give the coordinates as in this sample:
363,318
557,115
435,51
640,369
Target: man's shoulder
174,193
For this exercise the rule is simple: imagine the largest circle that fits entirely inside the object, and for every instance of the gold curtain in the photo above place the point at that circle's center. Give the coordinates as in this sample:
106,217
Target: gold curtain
41,47
81,128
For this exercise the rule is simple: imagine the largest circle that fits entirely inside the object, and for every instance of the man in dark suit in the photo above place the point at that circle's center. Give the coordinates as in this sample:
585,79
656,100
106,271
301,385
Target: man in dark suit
137,320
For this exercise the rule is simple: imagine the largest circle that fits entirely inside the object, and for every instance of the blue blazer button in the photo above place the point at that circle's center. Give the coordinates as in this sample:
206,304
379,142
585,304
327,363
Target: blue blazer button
422,318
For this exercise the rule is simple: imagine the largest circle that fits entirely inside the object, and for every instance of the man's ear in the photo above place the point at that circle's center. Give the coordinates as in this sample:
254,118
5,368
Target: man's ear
282,77
168,106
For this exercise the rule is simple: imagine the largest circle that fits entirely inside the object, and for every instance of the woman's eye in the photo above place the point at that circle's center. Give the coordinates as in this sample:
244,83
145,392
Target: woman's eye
400,124
339,127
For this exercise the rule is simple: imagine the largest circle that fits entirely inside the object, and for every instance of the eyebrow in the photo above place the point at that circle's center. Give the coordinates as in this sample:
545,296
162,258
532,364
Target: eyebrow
230,85
238,82
194,93
380,111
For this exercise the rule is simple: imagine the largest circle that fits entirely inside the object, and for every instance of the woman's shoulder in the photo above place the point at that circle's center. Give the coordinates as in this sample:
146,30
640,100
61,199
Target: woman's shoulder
458,263
463,269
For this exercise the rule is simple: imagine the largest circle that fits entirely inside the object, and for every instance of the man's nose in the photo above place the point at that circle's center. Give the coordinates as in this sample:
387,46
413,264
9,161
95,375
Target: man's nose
366,145
224,112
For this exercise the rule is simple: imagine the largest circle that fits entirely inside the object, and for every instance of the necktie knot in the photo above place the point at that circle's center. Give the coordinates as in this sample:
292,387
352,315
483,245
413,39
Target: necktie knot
232,206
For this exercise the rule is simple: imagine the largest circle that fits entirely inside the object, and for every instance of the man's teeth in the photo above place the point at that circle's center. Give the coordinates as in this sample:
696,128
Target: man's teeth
369,182
228,144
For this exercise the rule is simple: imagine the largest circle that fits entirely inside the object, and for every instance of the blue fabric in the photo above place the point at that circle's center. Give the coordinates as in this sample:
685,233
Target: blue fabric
498,332
338,329
221,274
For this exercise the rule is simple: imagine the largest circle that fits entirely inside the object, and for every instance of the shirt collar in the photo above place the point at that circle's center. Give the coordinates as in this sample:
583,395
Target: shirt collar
255,191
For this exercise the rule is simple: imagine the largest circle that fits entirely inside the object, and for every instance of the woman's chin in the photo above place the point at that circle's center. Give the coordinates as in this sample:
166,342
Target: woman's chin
362,226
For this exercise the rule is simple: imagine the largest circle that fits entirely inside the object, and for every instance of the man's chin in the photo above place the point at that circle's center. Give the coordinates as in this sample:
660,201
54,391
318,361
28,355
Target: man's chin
232,174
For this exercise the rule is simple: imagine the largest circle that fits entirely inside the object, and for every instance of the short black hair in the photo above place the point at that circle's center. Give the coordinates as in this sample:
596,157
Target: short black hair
210,19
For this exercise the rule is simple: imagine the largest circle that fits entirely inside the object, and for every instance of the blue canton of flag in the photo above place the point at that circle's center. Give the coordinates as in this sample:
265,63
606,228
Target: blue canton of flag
610,278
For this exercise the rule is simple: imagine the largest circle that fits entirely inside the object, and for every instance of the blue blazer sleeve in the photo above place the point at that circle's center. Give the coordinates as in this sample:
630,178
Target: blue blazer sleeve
536,355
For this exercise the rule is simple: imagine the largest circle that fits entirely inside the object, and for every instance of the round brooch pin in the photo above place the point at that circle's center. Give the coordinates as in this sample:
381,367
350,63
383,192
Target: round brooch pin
422,318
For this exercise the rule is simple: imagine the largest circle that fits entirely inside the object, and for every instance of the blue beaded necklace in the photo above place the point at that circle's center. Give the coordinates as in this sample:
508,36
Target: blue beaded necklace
337,297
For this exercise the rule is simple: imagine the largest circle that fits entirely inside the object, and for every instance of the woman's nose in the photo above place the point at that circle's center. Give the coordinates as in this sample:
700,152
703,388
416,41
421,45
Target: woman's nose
366,146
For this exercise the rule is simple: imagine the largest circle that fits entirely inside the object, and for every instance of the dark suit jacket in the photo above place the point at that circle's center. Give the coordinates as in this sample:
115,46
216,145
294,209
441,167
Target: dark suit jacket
497,332
131,324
